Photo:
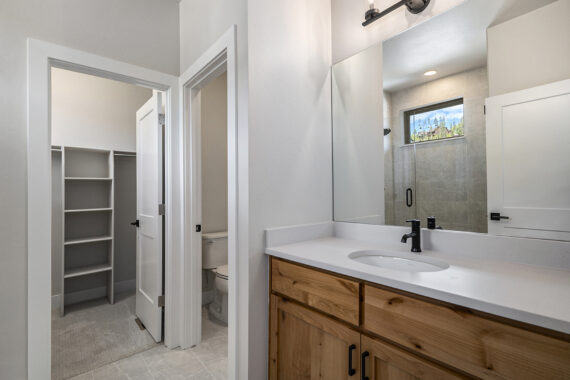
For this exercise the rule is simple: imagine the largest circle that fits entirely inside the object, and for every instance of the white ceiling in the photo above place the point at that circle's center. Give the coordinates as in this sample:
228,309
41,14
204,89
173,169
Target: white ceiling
449,43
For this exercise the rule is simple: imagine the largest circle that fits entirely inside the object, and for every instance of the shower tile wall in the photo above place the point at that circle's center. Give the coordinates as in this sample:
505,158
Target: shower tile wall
449,177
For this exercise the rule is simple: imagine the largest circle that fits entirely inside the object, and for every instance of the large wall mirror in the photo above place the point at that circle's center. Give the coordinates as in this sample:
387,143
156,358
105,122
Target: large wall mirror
410,138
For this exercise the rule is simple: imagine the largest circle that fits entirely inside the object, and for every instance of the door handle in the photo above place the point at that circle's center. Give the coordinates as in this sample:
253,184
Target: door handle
136,223
497,216
363,357
351,371
409,197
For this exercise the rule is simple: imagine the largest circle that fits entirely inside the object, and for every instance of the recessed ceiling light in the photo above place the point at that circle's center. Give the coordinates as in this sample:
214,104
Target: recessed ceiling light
430,73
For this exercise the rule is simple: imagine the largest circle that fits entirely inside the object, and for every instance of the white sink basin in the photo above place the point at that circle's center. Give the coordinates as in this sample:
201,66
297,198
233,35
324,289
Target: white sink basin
405,262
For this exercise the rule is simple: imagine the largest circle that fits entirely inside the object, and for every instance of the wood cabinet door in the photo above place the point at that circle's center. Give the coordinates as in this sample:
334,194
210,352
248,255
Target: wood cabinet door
382,361
306,345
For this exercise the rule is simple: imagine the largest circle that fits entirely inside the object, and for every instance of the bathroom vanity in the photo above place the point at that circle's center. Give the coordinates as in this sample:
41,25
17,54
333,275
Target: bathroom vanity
334,315
420,133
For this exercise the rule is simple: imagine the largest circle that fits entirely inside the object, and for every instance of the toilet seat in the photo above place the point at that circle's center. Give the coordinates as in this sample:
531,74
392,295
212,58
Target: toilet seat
222,272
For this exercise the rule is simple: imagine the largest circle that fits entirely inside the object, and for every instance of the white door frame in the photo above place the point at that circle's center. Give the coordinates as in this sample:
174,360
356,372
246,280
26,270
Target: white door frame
41,57
219,57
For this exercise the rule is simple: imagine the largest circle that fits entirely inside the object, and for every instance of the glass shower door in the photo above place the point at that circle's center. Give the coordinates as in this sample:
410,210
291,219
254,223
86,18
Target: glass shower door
401,195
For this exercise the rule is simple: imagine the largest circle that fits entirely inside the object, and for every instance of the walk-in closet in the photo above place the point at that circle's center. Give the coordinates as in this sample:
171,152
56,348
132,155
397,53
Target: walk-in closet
94,128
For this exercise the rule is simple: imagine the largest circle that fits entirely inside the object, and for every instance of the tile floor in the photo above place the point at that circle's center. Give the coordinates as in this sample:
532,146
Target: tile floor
209,360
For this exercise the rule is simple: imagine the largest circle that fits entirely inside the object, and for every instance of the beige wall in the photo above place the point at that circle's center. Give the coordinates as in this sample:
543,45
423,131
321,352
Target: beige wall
214,136
449,177
530,50
115,29
93,112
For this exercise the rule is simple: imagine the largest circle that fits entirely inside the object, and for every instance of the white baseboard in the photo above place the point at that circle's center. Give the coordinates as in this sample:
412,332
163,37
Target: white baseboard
90,294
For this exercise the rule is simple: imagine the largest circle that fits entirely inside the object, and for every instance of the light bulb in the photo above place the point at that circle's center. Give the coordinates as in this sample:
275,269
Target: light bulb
371,4
430,73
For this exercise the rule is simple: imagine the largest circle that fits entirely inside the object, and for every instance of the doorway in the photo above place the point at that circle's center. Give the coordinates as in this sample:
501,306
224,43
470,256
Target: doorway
107,221
42,57
213,201
218,59
182,287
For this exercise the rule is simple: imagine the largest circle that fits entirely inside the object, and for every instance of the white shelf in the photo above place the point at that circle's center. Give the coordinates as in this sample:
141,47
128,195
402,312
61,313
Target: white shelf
86,210
88,179
87,240
83,271
87,187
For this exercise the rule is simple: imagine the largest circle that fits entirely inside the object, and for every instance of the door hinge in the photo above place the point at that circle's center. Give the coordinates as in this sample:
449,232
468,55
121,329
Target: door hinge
161,119
161,209
161,301
484,110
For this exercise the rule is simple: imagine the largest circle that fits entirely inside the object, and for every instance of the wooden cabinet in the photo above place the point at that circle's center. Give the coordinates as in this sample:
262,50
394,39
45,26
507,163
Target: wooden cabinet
464,340
317,318
331,294
382,361
306,345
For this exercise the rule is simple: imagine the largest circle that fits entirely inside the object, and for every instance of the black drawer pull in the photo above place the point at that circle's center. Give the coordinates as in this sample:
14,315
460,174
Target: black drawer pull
363,357
351,371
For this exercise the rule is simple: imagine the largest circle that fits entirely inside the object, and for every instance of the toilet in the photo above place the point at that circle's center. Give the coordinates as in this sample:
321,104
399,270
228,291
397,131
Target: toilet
215,260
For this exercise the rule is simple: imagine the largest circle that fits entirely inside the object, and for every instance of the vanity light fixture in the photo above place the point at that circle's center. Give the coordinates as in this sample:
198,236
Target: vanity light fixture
430,73
373,14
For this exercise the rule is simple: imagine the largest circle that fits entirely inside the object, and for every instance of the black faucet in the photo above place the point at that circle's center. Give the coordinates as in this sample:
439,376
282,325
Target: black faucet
415,235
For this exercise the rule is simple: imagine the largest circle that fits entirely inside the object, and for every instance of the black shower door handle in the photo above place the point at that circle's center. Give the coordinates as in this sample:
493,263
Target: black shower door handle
409,197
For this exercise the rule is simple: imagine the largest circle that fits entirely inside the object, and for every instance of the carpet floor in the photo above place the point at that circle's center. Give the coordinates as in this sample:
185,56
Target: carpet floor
95,333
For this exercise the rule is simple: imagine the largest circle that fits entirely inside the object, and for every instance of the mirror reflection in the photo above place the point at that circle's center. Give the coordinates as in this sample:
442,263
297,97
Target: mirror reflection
409,126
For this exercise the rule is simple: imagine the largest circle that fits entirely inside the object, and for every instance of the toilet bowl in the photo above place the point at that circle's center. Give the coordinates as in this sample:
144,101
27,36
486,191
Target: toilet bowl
215,260
218,309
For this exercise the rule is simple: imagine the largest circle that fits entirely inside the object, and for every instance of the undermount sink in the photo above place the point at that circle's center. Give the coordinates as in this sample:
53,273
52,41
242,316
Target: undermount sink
405,262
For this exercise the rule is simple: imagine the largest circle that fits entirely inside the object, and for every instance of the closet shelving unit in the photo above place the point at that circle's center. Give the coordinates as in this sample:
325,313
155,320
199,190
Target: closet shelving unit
88,216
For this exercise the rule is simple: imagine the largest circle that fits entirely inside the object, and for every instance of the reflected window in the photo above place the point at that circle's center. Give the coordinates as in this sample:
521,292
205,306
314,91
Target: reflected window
435,122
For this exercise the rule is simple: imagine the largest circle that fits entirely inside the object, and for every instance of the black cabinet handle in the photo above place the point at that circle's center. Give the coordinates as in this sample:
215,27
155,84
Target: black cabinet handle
351,371
409,197
363,357
136,223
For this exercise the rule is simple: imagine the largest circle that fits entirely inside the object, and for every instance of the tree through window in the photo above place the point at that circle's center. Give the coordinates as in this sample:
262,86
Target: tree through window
436,122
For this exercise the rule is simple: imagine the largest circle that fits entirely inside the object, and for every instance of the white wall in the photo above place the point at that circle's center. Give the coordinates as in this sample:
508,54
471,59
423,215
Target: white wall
214,149
350,37
93,112
358,138
116,29
201,24
530,50
290,136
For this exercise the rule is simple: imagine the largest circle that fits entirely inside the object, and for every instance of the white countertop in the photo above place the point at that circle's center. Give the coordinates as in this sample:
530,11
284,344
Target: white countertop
531,294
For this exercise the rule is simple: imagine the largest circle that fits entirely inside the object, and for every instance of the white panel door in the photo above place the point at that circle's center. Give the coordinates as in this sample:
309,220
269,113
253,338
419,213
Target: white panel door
528,162
149,232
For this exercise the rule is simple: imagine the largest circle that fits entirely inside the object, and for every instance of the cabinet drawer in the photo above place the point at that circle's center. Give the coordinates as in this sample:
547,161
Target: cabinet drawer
330,294
457,337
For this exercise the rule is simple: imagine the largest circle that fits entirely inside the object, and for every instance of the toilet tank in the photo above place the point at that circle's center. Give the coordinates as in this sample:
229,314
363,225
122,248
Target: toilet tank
214,249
